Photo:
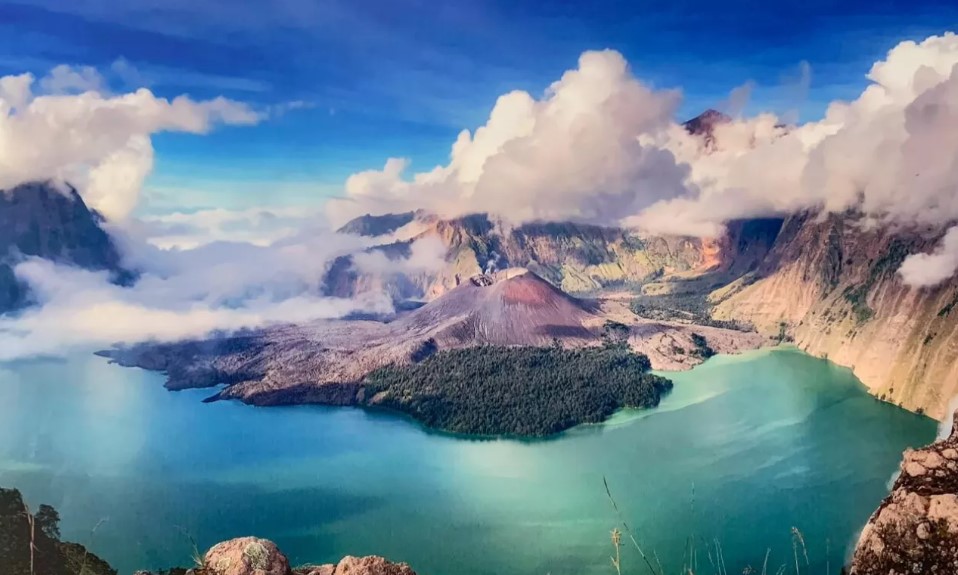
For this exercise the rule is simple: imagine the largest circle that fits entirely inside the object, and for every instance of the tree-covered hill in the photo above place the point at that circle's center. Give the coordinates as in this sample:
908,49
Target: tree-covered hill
526,391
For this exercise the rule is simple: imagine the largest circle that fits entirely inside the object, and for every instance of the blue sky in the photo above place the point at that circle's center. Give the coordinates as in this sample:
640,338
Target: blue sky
402,77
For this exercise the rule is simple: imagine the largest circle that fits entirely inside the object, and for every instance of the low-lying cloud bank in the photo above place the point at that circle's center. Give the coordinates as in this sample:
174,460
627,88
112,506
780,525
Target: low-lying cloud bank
199,272
221,286
603,147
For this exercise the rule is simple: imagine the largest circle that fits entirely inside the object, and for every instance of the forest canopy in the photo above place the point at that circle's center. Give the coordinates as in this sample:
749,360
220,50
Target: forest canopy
522,391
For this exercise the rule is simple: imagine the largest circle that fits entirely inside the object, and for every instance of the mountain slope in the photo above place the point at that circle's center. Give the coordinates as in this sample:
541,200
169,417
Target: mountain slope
38,220
574,257
327,361
515,308
832,285
372,226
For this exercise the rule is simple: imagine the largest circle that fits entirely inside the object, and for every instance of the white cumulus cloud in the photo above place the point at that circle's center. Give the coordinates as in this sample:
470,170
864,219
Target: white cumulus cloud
925,270
572,154
891,153
601,146
68,127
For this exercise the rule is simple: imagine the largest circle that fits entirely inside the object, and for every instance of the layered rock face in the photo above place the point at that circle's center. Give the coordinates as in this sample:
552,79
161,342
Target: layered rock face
915,530
574,257
831,283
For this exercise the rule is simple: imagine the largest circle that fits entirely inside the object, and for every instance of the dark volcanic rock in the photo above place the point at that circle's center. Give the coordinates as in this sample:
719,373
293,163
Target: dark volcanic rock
37,219
915,530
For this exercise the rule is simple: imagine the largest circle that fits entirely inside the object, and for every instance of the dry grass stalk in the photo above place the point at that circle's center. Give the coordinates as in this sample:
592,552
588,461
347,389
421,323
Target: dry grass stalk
628,530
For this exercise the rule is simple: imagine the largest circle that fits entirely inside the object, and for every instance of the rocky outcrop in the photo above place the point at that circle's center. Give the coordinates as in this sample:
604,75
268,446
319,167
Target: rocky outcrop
254,556
40,220
245,556
915,530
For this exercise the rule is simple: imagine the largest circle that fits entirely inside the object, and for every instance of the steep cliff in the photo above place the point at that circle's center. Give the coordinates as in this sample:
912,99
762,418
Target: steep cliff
831,284
39,220
915,529
575,257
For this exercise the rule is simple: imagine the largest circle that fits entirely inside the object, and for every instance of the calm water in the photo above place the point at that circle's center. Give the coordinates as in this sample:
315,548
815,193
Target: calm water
770,440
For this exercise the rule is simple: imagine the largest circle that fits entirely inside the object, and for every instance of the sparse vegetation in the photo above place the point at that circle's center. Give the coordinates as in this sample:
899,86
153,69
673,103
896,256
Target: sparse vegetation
523,391
887,264
614,331
702,348
690,308
946,309
706,557
857,297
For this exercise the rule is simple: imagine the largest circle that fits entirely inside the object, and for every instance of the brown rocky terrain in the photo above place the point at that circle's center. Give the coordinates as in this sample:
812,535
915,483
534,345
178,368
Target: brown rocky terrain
831,283
254,556
915,530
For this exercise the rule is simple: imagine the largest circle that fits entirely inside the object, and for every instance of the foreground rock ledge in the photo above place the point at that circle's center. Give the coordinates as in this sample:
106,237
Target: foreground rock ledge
915,530
253,556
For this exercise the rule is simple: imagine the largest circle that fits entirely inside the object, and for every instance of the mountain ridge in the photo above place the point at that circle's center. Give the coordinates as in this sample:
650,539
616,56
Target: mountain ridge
825,281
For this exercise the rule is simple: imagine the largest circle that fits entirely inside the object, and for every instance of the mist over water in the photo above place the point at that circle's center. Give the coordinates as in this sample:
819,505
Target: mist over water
770,440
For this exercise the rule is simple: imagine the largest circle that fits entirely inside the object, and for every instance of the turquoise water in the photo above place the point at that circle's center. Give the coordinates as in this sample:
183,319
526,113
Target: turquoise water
769,440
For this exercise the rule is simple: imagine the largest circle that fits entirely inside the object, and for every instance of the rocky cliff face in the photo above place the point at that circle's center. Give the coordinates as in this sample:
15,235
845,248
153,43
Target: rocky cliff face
574,257
915,530
39,220
831,283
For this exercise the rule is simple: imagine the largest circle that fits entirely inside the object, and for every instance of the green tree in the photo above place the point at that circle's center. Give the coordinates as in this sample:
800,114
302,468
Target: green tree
48,521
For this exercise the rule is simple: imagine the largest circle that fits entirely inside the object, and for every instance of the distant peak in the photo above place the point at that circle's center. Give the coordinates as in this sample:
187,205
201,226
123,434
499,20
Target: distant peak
706,121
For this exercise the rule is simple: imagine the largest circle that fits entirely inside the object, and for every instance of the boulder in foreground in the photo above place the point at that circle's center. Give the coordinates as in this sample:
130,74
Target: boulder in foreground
361,566
246,556
253,556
